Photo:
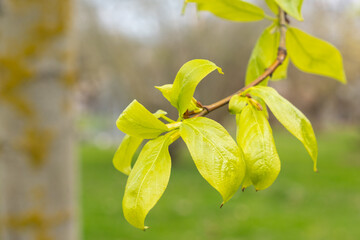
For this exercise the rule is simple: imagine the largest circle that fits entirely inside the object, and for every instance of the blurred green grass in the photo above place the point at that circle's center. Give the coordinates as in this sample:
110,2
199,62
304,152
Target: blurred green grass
300,204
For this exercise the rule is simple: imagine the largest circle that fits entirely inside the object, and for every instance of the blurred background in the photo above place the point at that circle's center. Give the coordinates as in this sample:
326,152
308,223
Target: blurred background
113,51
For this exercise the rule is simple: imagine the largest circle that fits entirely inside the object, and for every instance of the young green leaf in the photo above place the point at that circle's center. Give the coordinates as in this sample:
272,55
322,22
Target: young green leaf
180,94
124,154
264,54
273,6
184,7
187,79
254,135
234,10
159,113
314,55
148,180
166,90
137,121
237,103
292,7
216,155
289,116
193,106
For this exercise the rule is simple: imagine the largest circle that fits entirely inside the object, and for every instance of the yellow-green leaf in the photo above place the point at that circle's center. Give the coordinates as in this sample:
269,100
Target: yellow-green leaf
159,113
314,55
187,79
137,121
193,106
166,90
234,10
180,93
124,154
216,155
254,135
264,54
147,181
273,6
237,103
292,7
290,117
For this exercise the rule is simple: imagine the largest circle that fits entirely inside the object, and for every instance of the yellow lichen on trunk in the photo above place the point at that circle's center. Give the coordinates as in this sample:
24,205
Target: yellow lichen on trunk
43,23
36,69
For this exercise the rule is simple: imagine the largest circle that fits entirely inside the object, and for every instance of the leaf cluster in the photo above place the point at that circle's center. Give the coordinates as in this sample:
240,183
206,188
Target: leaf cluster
224,163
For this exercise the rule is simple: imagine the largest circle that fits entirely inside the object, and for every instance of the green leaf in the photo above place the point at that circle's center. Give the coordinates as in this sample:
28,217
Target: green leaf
314,55
166,90
216,155
159,113
124,154
234,10
184,7
148,180
289,116
254,135
264,54
273,6
193,106
137,121
237,103
187,79
180,94
292,7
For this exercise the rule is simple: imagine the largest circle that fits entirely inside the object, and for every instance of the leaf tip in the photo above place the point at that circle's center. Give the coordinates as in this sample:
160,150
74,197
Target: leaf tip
315,167
220,70
184,7
158,88
243,189
342,76
222,204
298,16
145,228
125,171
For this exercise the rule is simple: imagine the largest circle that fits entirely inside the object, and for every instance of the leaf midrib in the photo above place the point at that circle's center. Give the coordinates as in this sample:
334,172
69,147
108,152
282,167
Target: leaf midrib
212,143
185,82
152,165
312,59
245,10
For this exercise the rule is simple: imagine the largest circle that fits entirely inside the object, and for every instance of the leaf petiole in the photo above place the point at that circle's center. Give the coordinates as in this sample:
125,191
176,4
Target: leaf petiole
175,136
172,126
167,119
270,18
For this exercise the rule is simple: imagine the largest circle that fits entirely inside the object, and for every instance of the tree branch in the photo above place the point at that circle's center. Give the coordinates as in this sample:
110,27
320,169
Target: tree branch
281,56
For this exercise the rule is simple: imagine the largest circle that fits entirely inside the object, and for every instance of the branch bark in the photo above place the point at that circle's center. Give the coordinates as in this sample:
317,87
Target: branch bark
281,56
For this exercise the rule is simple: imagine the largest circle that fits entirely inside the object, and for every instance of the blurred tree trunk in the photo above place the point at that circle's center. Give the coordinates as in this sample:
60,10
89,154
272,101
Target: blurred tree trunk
37,167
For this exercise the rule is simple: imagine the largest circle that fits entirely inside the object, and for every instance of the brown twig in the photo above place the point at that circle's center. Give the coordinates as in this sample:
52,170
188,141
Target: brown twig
281,55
